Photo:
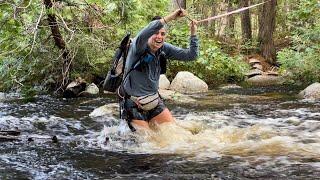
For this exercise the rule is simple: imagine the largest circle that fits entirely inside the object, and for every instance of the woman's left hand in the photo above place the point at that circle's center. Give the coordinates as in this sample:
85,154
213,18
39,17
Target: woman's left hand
193,27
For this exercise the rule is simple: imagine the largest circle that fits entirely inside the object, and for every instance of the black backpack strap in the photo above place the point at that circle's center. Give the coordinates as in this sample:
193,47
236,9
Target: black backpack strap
163,62
133,67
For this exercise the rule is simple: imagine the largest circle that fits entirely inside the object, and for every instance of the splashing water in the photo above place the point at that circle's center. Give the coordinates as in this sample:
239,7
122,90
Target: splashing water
246,134
203,137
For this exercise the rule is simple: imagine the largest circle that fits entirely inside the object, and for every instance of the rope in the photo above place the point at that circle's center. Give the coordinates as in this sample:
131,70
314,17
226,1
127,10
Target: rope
231,12
226,14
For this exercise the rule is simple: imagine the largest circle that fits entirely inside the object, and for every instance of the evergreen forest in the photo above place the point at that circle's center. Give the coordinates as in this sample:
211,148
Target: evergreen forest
44,45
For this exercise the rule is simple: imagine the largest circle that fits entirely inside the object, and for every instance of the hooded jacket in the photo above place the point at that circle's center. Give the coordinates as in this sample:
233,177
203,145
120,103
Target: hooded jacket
143,79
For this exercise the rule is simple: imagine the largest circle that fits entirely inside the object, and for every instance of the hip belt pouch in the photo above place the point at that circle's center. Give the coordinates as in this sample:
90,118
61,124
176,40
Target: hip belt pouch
147,102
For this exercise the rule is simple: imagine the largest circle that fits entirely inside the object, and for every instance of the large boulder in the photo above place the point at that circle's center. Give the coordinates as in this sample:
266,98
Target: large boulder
164,83
311,92
186,82
91,90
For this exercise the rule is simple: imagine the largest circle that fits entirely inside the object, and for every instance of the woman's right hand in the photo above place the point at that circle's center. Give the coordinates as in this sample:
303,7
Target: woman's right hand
176,14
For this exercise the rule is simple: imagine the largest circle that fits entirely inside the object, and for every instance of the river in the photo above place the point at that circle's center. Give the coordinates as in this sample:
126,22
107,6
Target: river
247,133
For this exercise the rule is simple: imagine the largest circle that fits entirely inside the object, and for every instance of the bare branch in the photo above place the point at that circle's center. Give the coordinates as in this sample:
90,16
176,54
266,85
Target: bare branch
65,72
36,30
19,7
66,26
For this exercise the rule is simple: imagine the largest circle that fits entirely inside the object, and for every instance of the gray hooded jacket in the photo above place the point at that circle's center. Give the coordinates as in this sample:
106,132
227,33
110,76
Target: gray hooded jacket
144,79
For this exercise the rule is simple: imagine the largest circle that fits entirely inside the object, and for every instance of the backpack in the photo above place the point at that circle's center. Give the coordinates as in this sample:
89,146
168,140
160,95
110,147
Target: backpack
115,75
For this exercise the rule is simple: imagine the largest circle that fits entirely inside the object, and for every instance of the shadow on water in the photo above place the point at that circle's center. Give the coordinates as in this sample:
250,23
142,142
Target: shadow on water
263,133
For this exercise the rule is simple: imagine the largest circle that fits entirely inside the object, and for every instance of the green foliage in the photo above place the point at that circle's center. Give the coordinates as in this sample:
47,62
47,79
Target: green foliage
303,67
28,93
178,33
29,56
39,70
213,65
301,61
221,67
91,30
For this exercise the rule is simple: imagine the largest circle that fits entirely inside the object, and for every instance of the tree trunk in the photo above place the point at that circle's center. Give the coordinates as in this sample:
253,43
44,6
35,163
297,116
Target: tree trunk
213,13
245,22
230,20
60,43
266,28
179,3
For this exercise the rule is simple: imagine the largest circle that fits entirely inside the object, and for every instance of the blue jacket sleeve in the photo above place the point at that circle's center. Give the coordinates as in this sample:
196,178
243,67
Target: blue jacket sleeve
189,54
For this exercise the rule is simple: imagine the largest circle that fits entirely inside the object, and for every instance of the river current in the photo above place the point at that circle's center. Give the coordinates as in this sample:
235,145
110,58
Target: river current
235,133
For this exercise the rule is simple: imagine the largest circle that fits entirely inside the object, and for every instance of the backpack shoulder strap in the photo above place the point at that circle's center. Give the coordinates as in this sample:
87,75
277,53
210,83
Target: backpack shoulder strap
163,62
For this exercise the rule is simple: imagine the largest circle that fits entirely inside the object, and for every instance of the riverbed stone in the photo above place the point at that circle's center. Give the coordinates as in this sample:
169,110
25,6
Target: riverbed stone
187,83
2,96
230,86
311,92
166,94
111,109
257,66
294,121
265,80
75,88
175,96
254,72
164,82
254,61
91,90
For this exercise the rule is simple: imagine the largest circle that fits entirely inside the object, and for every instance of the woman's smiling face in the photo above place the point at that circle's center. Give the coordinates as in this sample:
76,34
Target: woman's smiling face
157,40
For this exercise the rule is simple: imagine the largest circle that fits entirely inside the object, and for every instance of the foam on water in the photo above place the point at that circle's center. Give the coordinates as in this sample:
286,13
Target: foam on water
215,135
262,136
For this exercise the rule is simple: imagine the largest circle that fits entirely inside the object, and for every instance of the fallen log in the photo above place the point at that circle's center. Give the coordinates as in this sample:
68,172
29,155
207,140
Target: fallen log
10,132
8,138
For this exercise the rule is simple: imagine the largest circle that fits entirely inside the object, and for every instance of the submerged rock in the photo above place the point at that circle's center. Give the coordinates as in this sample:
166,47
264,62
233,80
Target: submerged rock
175,96
54,139
108,109
311,92
230,86
264,80
2,96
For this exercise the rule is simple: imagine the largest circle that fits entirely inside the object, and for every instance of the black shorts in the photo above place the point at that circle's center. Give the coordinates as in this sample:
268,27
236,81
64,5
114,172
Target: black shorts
132,111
